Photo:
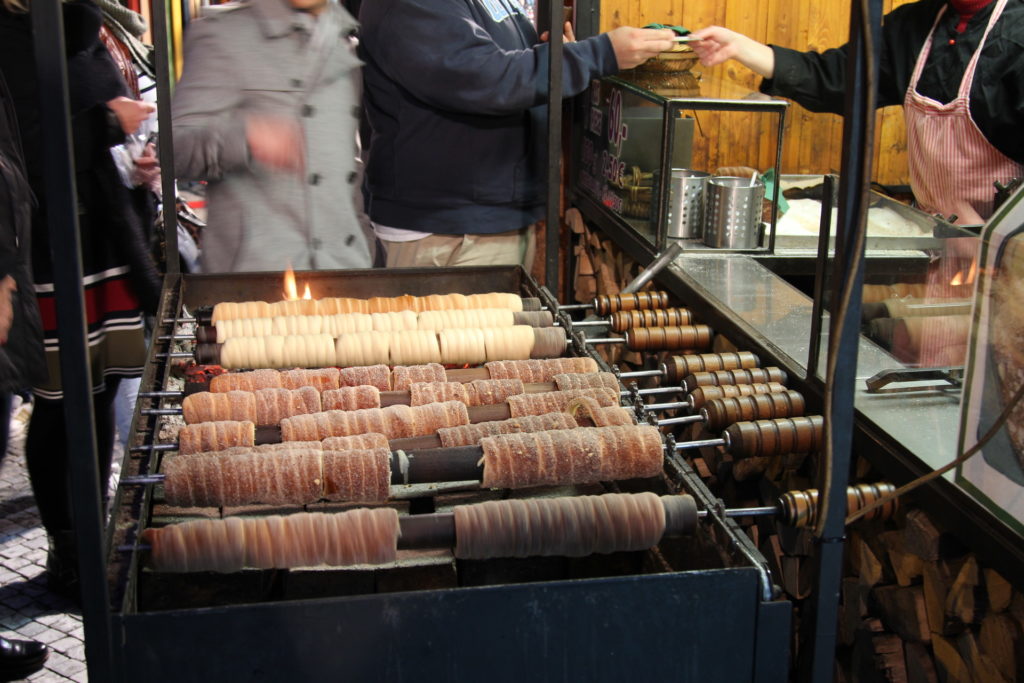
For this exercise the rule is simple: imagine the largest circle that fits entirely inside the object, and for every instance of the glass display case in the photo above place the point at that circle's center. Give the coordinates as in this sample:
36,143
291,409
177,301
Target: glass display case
642,152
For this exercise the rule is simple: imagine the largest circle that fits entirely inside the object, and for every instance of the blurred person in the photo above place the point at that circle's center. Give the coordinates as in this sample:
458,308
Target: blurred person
22,362
956,68
120,279
455,93
267,111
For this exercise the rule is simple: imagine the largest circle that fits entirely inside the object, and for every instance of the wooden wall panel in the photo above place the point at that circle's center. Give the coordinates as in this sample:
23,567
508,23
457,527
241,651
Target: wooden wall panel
813,142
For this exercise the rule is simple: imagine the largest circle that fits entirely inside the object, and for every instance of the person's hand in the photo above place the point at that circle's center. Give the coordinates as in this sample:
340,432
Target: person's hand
130,113
276,142
716,45
7,287
147,169
567,35
634,46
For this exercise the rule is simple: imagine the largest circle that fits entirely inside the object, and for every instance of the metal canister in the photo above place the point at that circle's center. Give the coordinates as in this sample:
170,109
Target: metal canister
732,212
686,203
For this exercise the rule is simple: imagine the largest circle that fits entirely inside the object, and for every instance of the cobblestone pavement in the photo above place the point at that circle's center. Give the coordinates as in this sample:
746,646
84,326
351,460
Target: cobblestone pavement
27,609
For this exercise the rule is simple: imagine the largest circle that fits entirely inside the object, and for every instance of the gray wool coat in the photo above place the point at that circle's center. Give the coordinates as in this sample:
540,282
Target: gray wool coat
259,56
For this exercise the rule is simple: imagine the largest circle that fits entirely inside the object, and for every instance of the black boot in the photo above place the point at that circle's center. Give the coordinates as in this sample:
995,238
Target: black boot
62,566
20,658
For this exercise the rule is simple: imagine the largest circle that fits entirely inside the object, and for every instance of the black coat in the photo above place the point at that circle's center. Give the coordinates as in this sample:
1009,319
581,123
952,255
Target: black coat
22,361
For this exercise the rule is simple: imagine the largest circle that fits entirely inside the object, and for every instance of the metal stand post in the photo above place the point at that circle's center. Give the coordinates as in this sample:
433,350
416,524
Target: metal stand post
76,379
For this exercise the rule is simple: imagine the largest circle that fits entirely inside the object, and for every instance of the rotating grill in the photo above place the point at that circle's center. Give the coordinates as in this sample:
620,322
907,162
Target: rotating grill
632,612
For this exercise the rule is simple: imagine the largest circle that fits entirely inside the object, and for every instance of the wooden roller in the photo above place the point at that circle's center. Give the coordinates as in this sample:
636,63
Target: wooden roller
775,437
722,412
677,338
740,376
800,508
605,305
701,395
676,368
621,321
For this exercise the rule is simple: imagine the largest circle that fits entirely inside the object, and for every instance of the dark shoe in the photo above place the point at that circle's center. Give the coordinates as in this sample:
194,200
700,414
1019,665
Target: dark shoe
21,658
62,566
62,578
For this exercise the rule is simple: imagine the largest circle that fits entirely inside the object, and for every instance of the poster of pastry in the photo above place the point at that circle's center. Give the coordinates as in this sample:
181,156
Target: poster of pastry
995,371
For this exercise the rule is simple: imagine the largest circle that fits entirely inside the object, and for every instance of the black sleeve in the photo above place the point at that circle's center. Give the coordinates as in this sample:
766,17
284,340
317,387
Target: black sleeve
817,81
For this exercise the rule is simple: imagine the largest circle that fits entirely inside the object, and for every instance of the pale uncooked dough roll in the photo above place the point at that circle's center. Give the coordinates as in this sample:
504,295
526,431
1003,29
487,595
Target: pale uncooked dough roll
363,348
233,310
512,302
321,379
244,327
556,401
308,351
341,304
509,343
216,436
414,347
460,346
470,318
205,406
540,370
306,539
422,393
243,352
470,434
486,392
285,325
347,323
397,321
368,375
573,526
294,307
573,456
402,376
246,381
351,398
588,380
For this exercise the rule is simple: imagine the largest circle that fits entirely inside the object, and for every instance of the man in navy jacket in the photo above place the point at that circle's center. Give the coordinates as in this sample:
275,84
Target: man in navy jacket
455,93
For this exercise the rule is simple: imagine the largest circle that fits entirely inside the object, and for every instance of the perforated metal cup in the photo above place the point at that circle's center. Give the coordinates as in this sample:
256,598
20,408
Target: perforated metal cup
732,213
686,203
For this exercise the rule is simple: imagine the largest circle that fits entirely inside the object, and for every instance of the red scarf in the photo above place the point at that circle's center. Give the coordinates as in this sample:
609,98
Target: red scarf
967,9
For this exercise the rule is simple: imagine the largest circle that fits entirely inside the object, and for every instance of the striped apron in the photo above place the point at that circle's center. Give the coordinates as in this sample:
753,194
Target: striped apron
952,165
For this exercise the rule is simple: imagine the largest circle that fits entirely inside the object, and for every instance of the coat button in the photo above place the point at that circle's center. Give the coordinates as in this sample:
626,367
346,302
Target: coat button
352,177
349,240
296,82
316,243
357,111
314,179
307,110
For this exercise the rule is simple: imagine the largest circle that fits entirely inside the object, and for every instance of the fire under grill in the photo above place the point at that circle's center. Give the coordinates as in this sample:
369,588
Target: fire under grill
705,597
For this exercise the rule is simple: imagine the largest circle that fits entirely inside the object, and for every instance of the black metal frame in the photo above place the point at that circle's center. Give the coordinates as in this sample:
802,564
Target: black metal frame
76,378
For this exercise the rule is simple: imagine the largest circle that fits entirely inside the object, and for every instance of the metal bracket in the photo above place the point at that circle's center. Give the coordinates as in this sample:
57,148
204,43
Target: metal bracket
952,378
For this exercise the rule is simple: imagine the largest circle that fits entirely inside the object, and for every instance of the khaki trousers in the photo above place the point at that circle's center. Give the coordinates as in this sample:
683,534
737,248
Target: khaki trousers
516,247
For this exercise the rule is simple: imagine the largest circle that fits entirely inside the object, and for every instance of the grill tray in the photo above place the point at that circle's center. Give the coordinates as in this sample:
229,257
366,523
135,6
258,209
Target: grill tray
431,616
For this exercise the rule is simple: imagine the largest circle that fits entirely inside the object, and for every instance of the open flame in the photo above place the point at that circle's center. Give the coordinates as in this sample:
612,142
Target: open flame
291,289
958,279
291,292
